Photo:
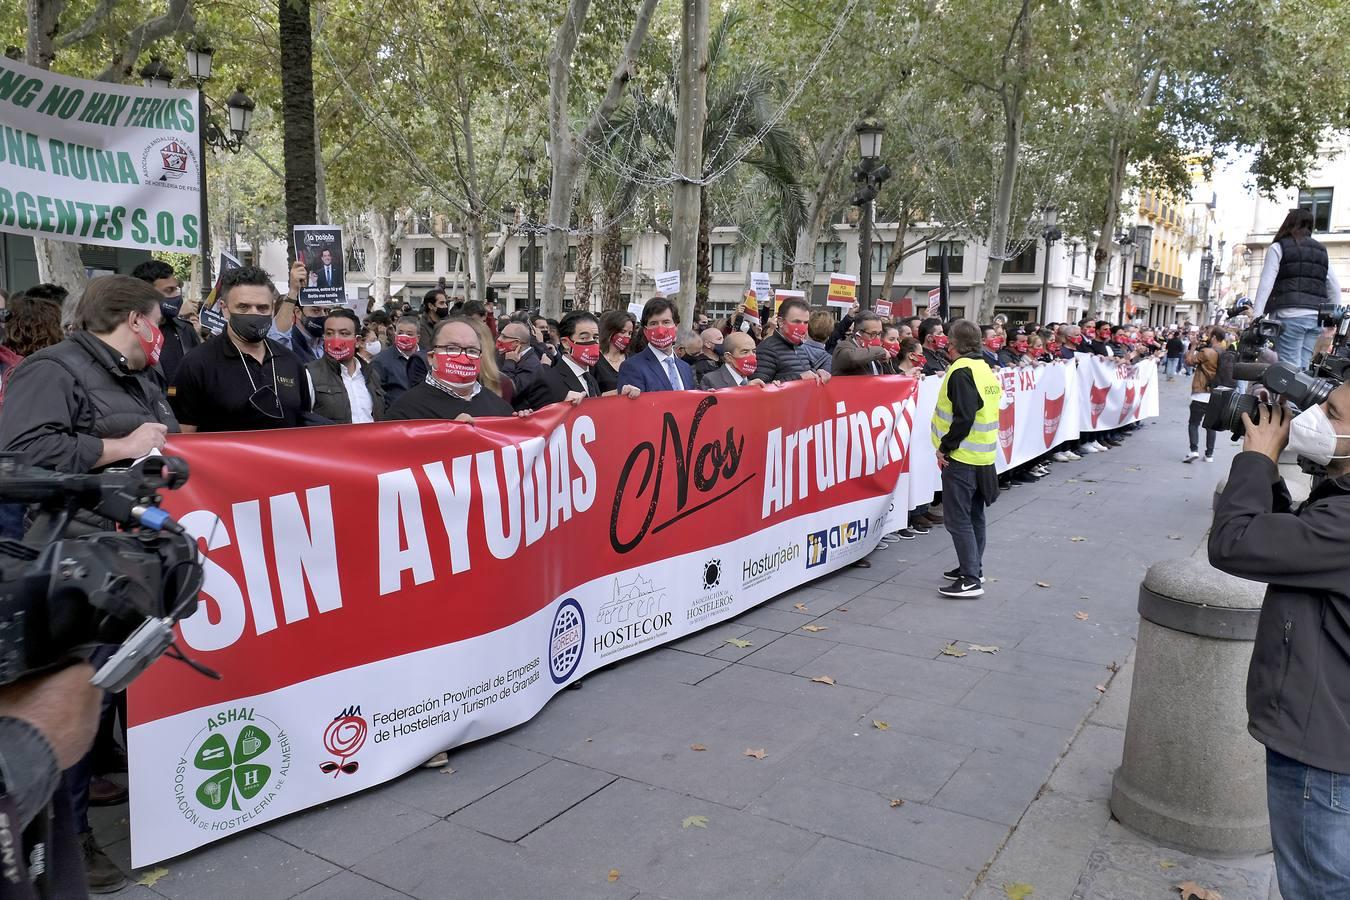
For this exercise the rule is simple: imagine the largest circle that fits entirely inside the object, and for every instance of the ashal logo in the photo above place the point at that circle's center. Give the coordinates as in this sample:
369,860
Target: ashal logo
169,162
714,600
635,615
566,640
343,738
844,540
232,769
760,569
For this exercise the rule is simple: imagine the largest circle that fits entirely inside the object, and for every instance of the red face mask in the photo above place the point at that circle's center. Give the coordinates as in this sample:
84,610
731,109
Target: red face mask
1090,333
795,332
892,348
1020,346
1052,348
505,345
405,342
455,368
746,364
620,341
1075,340
939,341
660,336
994,343
152,346
339,348
585,354
917,359
866,341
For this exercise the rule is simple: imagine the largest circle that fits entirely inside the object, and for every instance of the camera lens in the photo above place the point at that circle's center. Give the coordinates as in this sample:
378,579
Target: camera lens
1225,410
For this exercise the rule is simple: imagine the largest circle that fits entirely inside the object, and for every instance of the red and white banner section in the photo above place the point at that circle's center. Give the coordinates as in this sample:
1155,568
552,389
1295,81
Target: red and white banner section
1115,394
375,594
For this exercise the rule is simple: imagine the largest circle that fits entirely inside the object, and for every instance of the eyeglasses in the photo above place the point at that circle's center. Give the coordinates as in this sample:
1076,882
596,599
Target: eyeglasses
453,349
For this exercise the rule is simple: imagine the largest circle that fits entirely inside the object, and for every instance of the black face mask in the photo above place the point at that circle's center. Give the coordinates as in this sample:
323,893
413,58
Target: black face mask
314,325
169,307
250,327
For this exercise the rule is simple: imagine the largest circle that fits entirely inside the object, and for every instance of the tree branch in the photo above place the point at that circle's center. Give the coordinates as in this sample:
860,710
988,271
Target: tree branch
178,17
623,70
88,26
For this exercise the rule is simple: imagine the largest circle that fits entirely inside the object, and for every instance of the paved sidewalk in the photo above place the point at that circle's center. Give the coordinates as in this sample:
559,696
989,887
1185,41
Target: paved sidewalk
601,795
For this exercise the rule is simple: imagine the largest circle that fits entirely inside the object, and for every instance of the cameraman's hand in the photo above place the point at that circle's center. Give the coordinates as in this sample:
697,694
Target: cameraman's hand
62,705
1269,433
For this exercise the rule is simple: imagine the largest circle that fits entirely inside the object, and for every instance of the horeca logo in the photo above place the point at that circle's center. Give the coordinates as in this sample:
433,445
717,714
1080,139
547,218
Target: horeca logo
566,640
232,770
843,540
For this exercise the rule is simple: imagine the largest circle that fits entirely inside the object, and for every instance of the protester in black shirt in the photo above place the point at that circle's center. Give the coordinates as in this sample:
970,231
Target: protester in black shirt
461,386
402,365
521,365
709,358
934,346
240,380
435,309
179,335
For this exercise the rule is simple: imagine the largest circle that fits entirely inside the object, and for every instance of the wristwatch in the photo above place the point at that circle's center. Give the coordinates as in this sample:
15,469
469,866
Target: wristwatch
289,299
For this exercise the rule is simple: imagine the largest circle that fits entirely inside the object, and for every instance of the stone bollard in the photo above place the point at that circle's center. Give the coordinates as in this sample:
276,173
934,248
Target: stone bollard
1191,776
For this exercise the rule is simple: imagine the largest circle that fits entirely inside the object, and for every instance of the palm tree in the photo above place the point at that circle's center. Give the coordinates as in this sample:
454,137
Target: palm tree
297,112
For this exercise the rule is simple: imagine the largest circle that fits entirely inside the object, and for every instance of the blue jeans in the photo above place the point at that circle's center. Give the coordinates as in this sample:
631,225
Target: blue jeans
963,508
1310,828
1296,340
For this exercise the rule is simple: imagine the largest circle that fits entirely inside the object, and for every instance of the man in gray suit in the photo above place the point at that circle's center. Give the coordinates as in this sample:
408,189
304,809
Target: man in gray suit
738,364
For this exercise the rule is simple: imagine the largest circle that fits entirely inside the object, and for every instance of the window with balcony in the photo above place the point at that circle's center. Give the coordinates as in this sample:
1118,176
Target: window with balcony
956,257
1023,263
396,260
1318,202
830,256
769,259
424,259
724,258
572,258
881,251
532,259
627,254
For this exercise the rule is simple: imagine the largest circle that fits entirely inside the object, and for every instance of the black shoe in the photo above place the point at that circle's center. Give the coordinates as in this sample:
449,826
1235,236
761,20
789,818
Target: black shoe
962,587
101,872
905,534
919,529
956,573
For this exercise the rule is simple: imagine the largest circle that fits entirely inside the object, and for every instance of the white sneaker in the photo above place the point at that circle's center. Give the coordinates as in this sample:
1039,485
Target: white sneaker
1100,446
1042,471
1063,456
1090,447
1071,455
1191,456
1209,459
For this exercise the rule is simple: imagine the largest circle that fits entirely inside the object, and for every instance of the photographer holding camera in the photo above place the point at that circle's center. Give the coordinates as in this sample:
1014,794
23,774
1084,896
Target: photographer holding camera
1297,702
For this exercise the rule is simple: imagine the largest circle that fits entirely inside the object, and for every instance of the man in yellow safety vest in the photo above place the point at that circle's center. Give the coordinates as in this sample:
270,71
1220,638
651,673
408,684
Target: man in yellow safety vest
965,435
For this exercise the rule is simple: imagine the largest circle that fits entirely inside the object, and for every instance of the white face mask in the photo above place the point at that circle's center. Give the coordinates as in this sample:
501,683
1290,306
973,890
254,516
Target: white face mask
373,348
1312,435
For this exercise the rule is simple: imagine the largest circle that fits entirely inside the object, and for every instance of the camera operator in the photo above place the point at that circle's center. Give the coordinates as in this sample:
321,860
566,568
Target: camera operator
1296,281
47,724
1296,702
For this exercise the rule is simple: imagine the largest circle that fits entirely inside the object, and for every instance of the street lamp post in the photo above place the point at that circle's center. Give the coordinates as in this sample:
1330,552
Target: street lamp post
533,192
1126,241
869,176
210,134
1049,216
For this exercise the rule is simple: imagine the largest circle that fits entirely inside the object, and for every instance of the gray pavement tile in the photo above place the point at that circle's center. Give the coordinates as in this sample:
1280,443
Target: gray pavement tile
891,763
796,691
1042,700
891,640
531,800
1086,770
1034,665
709,639
893,673
672,664
1131,870
820,599
479,769
971,728
638,830
253,865
788,653
134,891
110,823
1092,642
449,862
328,831
784,621
937,837
995,786
350,886
864,610
1114,708
1047,847
759,637
838,869
846,581
955,623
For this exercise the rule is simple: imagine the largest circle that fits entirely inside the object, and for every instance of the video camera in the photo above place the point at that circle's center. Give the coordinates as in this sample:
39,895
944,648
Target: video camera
1300,389
64,597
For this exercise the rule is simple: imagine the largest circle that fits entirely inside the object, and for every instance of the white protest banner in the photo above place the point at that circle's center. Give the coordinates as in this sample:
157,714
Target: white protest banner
99,163
843,290
1115,394
319,247
1031,418
668,283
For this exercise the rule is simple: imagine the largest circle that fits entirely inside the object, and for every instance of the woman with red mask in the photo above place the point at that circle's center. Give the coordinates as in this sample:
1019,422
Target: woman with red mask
463,382
616,334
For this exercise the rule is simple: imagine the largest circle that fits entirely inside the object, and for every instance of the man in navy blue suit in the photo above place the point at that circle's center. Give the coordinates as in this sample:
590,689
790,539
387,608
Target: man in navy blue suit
655,367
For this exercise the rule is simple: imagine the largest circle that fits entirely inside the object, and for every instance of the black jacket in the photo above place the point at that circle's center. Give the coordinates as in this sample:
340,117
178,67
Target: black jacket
780,360
1298,703
1301,282
530,392
558,379
330,394
397,373
934,361
179,338
62,401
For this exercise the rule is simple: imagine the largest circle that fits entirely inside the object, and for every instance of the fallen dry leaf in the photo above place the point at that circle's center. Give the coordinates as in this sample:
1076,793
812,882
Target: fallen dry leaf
800,606
815,628
880,725
897,802
1192,891
1081,616
1078,540
823,679
950,650
698,747
1018,891
757,754
842,609
982,648
613,874
694,822
1166,864
1090,493
737,642
1114,667
1101,688
1174,537
154,875
1042,584
449,771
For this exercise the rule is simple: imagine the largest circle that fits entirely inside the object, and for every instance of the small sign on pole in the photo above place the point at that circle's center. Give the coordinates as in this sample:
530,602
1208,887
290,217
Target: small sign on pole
883,307
843,290
934,301
320,248
668,283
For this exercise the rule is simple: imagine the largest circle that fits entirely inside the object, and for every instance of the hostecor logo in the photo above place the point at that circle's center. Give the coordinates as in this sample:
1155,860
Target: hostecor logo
566,640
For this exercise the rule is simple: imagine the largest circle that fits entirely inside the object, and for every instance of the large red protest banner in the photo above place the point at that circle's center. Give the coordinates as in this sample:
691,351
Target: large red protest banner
377,593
